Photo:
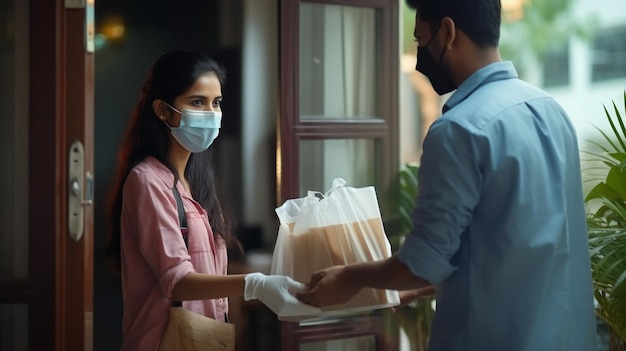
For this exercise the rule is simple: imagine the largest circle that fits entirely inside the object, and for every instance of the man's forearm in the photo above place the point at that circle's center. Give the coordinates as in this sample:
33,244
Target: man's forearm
390,274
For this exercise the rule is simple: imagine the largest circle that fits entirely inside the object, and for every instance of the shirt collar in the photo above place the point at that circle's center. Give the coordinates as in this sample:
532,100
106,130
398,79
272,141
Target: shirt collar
490,73
161,170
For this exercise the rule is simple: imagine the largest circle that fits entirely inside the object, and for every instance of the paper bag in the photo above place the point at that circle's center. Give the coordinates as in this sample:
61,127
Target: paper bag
189,331
322,230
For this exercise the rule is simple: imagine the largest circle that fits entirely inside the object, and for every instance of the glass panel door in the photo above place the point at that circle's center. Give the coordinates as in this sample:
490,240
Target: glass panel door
14,139
14,162
338,119
338,62
323,160
14,327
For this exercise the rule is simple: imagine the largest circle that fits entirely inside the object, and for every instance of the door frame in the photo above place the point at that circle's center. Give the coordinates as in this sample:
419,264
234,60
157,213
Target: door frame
59,288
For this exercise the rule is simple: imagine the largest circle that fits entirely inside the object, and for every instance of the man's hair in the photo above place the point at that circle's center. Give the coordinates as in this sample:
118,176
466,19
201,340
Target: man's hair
478,19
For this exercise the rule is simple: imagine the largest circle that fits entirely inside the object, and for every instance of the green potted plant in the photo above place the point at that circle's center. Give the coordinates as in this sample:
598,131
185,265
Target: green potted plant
606,222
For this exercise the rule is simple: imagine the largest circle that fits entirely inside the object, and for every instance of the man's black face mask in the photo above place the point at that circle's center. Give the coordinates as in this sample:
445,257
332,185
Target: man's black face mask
426,64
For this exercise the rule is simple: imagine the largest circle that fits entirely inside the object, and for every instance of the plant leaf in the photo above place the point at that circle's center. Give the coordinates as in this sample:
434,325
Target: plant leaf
606,225
601,190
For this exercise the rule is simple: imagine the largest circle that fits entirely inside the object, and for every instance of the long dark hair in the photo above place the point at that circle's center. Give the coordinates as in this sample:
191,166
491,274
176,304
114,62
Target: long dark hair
171,75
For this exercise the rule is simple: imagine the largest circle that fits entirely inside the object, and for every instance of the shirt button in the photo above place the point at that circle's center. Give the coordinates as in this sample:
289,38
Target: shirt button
220,301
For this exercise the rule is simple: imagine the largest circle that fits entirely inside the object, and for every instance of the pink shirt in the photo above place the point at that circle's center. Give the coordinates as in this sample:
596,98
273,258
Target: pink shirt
154,256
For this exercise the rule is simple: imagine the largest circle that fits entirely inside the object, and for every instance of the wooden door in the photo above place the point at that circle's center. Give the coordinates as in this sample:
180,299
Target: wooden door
46,93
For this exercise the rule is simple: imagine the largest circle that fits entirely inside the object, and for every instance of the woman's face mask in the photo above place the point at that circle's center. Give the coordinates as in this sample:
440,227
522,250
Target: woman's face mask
197,129
426,64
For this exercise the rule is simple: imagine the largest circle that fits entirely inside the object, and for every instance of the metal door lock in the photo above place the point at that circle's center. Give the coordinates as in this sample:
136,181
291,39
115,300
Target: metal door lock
79,183
75,188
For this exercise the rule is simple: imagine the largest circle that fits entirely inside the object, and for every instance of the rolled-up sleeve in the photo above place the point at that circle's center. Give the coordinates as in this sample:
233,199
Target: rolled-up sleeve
449,188
149,209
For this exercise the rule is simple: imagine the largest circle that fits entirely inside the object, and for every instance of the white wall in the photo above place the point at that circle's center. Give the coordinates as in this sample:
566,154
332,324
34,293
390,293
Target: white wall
583,99
259,114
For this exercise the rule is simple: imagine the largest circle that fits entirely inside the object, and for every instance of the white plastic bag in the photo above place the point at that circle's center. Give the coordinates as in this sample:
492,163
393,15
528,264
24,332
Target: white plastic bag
319,231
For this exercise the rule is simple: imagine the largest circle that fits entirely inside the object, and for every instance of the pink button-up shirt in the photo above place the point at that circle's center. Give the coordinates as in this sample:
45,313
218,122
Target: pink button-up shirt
154,256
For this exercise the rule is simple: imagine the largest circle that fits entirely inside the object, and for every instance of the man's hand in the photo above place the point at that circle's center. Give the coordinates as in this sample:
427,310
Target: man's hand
328,287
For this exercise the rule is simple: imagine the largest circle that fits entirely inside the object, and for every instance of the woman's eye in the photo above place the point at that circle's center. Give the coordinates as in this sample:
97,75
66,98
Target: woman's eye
197,103
217,103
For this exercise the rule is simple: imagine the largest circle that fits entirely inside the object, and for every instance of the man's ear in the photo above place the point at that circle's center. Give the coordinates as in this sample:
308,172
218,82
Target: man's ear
448,23
160,108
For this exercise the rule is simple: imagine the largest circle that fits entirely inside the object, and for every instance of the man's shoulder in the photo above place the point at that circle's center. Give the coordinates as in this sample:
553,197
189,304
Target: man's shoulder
495,100
505,93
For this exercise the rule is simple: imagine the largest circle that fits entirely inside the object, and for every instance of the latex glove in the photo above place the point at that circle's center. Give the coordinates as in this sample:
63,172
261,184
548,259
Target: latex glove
277,293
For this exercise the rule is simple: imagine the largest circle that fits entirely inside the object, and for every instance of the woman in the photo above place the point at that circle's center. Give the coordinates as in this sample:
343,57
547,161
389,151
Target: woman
166,148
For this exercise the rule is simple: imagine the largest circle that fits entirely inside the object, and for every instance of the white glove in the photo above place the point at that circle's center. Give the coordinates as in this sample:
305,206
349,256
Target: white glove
277,293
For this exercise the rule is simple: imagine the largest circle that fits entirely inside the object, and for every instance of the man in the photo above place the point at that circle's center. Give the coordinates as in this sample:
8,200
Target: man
499,226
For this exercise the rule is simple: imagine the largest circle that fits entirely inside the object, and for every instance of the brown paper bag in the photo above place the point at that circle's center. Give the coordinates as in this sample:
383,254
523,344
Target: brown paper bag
190,331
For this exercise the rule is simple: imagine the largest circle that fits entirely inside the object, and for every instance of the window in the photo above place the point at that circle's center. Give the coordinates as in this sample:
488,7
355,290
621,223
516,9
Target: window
556,64
609,55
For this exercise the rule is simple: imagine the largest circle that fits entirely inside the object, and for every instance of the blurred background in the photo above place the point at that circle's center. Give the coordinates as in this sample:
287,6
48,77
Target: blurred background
315,90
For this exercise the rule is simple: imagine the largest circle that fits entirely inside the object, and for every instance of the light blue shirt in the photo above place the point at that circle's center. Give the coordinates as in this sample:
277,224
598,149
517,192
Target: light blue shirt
499,225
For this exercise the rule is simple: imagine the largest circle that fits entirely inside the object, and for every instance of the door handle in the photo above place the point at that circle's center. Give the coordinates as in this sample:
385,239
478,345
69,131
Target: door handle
80,183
